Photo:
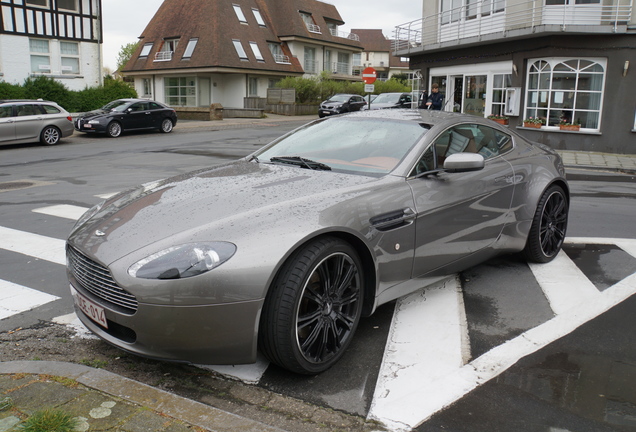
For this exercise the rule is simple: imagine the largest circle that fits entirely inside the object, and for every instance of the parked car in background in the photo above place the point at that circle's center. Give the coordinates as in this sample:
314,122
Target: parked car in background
27,120
341,103
285,250
391,100
124,115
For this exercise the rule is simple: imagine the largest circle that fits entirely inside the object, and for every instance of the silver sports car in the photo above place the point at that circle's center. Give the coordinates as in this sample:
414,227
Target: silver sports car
283,251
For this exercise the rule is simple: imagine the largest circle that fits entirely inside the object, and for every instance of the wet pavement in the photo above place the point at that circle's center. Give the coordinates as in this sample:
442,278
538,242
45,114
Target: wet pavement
582,382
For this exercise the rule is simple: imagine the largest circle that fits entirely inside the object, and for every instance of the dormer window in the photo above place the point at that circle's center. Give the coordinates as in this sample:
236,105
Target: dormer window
167,50
145,50
239,13
277,53
309,22
258,17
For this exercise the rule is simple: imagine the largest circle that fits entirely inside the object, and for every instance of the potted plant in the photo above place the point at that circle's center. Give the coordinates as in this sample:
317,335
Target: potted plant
566,126
499,119
533,122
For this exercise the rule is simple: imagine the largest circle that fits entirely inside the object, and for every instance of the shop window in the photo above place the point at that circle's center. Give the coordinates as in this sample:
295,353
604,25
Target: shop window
566,91
499,85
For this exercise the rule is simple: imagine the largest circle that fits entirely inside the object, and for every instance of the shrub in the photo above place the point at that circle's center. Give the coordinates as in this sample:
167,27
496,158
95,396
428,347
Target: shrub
11,91
47,88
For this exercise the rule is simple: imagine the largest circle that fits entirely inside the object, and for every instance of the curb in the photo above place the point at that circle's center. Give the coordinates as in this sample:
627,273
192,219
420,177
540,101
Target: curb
188,411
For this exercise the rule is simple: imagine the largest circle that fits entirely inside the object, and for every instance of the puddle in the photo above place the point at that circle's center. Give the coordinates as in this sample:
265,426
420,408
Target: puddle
604,265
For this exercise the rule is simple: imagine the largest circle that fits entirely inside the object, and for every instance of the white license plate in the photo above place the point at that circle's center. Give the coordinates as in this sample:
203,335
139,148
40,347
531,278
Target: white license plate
87,126
92,310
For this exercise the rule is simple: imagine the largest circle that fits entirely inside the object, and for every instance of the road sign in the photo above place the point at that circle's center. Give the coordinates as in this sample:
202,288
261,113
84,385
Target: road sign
368,75
369,88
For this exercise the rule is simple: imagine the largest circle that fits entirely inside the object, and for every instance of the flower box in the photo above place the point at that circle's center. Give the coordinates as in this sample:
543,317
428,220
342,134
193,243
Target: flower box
501,121
569,127
532,125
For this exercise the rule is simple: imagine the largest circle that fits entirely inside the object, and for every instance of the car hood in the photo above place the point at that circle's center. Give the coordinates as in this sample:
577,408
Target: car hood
96,113
331,104
221,203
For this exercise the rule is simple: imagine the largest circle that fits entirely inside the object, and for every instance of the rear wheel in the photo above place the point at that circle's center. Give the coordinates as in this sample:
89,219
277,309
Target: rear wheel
549,225
166,126
50,135
314,307
113,129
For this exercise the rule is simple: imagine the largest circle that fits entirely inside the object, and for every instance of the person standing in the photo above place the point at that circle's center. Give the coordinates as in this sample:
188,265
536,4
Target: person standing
436,99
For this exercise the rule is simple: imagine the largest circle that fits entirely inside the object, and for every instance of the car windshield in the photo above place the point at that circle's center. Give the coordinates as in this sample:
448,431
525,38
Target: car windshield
388,98
338,98
361,145
118,105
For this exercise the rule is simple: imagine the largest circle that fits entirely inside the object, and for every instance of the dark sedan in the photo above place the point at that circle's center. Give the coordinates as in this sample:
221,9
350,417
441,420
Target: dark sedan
391,100
124,115
341,103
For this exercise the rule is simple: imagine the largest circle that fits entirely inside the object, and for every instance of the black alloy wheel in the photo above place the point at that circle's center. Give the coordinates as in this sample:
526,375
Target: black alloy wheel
313,311
549,226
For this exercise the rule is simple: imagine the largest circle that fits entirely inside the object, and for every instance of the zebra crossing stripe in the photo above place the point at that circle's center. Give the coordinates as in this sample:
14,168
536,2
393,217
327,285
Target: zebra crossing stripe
35,245
16,298
63,210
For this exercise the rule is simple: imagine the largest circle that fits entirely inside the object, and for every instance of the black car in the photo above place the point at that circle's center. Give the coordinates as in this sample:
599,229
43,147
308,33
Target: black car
126,115
391,100
341,103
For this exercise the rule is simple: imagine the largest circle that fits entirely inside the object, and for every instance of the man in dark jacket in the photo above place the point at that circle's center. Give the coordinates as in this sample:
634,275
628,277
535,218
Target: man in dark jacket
436,99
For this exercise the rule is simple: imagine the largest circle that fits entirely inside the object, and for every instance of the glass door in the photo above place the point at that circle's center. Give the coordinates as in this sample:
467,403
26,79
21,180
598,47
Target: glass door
475,91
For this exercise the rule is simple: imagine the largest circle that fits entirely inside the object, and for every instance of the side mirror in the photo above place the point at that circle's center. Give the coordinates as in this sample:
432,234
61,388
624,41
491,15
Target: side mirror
129,110
464,162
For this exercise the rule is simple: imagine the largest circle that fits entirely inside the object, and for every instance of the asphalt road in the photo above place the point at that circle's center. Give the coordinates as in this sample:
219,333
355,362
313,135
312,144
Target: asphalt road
576,382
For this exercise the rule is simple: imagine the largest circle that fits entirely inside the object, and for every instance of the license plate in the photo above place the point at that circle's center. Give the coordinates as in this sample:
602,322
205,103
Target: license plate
92,310
87,126
326,112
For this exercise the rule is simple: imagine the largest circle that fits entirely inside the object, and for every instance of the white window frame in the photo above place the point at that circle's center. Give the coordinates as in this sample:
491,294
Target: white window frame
239,13
42,68
30,3
192,44
256,51
550,92
259,18
72,57
240,51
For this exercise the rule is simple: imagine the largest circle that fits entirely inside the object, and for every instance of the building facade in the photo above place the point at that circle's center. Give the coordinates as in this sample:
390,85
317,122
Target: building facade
60,39
198,52
563,61
378,54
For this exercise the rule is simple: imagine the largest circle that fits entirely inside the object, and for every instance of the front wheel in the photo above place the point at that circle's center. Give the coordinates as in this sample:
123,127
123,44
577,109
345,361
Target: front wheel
314,307
50,135
166,126
114,129
549,225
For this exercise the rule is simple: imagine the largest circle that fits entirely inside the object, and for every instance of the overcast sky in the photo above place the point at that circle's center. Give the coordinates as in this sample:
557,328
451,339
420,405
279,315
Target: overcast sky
124,20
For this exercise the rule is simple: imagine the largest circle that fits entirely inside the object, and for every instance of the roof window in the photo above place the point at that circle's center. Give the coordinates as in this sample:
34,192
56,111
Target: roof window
256,51
259,17
146,50
239,13
192,44
239,49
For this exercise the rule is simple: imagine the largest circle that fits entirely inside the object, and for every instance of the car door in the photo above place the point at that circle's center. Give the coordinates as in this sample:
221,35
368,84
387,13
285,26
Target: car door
29,120
157,114
138,116
460,213
7,124
356,103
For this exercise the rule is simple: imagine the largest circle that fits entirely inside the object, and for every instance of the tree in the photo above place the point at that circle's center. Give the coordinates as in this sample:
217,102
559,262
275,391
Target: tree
125,53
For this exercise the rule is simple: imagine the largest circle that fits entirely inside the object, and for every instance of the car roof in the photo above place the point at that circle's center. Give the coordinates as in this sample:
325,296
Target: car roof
432,117
24,101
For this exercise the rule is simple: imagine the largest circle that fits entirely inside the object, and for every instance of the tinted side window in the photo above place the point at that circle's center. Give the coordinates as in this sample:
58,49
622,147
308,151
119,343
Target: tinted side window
139,106
6,111
155,106
50,109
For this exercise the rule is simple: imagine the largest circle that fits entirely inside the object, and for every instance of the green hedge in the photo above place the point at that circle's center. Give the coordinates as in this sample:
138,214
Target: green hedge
73,101
318,89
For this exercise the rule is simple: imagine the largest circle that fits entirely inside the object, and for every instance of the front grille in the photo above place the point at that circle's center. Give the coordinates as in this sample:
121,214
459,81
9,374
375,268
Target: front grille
97,280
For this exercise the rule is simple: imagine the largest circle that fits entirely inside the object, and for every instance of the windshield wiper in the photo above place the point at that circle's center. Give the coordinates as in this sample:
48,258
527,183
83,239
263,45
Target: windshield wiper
302,162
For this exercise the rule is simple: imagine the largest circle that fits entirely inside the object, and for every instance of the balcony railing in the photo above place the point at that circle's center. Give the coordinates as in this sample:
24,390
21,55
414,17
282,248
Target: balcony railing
340,68
345,35
311,66
313,28
163,56
470,21
281,58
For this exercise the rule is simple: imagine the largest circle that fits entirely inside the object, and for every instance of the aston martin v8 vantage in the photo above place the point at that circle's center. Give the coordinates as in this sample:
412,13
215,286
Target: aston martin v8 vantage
285,250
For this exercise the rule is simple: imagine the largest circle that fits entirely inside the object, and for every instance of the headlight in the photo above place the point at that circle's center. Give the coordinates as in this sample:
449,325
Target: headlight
93,122
89,214
183,261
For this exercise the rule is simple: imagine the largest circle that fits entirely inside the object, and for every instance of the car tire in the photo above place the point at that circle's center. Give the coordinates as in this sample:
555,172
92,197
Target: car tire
306,323
166,126
50,135
113,129
549,226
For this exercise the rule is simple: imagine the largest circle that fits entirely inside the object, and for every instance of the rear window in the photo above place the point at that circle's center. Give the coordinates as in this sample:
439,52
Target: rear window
50,109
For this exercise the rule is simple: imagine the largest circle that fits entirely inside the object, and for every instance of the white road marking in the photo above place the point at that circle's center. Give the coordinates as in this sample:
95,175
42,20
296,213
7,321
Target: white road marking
566,287
73,322
35,245
249,373
15,299
63,210
417,403
428,340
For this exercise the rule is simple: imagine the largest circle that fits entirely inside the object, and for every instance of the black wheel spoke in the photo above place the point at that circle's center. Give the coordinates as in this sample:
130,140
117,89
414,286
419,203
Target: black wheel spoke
309,319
